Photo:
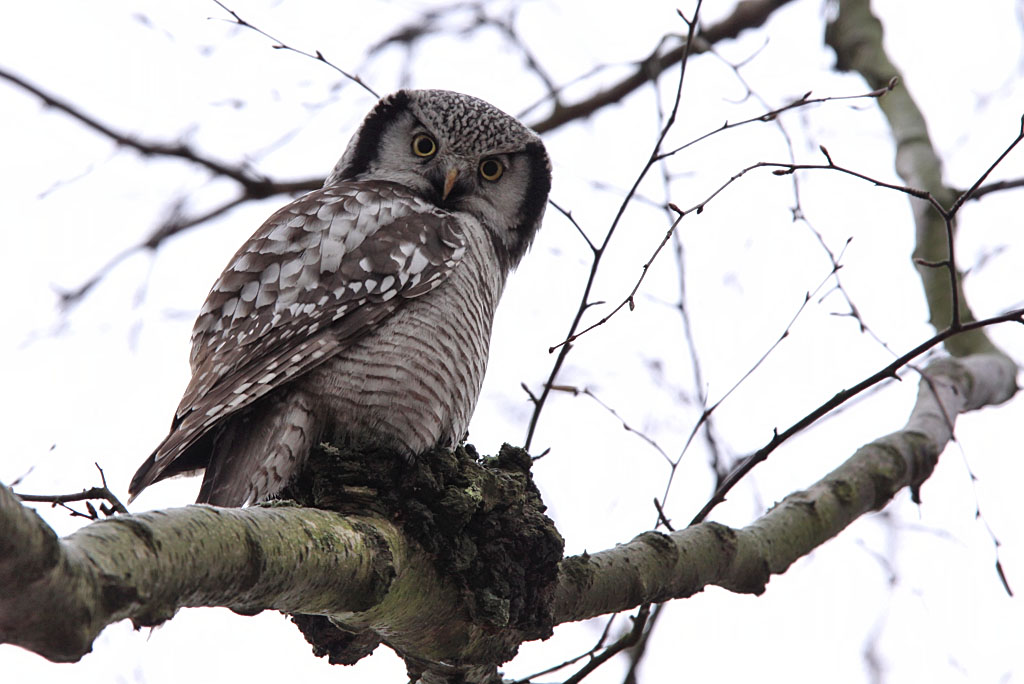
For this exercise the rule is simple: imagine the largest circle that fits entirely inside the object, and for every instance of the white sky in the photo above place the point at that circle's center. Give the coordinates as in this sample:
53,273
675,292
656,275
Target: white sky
100,384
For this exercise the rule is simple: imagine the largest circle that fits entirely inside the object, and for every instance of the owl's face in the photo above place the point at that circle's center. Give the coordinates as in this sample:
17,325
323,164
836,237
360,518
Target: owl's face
459,153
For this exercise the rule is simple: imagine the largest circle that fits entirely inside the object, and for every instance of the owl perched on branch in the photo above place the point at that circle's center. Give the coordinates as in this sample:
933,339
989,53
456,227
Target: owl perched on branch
361,311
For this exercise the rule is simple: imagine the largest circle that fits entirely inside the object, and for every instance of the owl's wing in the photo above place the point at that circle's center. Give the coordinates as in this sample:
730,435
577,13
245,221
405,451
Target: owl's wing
314,279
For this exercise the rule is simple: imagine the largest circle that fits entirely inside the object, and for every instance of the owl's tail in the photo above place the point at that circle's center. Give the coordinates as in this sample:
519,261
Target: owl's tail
260,450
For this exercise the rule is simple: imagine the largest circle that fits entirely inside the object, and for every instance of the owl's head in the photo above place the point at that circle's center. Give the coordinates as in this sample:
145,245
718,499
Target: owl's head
460,153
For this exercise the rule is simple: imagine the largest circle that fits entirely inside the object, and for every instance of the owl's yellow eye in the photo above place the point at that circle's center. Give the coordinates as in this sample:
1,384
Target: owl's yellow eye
491,169
424,146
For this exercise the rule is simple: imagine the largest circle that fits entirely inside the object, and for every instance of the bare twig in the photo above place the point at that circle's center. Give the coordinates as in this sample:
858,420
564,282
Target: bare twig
600,250
662,518
629,300
255,184
804,100
980,515
572,661
996,186
176,224
969,194
93,493
507,27
639,650
708,411
948,214
626,641
586,392
798,212
281,45
747,15
889,371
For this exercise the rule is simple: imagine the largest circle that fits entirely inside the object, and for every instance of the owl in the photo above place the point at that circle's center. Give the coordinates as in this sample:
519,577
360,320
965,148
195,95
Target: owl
362,310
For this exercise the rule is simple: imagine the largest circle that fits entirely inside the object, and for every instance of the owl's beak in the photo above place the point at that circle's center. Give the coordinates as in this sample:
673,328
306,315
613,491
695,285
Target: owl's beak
449,182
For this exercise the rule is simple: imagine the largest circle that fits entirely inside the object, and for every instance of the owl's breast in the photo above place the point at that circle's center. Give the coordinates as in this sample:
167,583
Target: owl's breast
412,383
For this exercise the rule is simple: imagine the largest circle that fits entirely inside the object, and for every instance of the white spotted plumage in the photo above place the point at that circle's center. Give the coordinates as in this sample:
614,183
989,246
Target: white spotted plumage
361,310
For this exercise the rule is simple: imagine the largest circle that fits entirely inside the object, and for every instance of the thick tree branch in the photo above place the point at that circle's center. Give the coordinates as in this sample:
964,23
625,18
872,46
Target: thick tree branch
57,595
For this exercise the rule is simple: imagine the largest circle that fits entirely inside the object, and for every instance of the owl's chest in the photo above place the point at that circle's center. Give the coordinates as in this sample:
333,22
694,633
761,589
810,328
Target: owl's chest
414,380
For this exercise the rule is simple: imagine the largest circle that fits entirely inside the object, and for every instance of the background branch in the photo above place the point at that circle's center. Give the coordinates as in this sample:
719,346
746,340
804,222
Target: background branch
856,37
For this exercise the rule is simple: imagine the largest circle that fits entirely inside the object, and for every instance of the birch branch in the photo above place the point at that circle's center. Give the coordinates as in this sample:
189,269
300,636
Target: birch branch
57,595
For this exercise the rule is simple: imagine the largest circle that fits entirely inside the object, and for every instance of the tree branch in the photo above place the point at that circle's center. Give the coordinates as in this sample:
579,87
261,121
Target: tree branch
747,15
57,595
856,37
657,567
256,186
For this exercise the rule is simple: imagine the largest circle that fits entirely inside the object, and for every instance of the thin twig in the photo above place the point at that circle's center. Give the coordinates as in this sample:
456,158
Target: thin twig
586,391
972,192
93,493
889,371
996,186
630,298
626,641
281,45
773,115
708,411
639,650
585,303
572,661
747,15
254,183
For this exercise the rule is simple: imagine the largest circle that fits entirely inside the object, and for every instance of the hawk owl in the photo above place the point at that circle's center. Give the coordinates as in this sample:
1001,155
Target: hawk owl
362,310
